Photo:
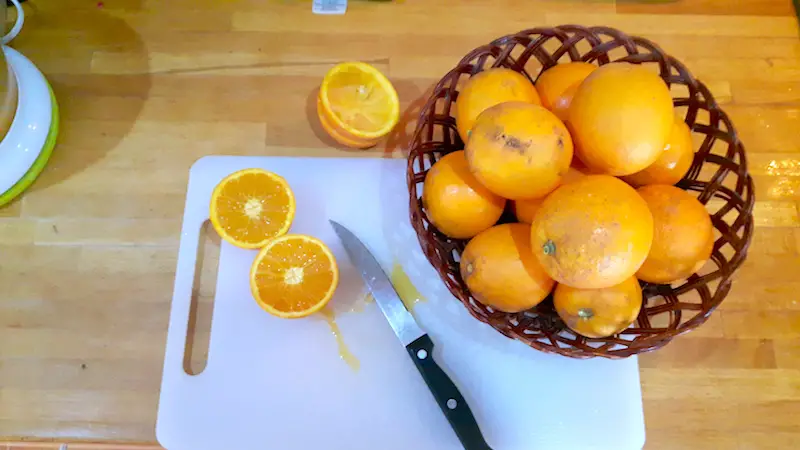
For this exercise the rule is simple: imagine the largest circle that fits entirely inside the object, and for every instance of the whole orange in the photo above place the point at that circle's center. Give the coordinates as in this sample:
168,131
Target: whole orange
683,238
620,118
674,162
455,202
557,85
488,88
592,233
500,270
597,313
519,150
525,209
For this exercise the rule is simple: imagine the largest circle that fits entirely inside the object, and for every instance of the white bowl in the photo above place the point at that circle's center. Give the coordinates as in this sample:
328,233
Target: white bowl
28,132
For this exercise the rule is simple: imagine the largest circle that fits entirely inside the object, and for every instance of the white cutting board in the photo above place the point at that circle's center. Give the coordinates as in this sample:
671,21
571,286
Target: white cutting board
280,384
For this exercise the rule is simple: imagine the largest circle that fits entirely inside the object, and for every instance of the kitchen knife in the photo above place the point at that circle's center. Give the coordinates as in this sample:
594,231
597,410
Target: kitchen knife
416,341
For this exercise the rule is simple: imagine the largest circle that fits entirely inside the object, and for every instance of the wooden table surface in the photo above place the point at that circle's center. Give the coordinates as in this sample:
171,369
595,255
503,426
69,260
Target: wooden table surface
148,86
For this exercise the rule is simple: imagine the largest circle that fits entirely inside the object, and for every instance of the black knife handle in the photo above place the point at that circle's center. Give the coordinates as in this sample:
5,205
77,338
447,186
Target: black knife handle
447,396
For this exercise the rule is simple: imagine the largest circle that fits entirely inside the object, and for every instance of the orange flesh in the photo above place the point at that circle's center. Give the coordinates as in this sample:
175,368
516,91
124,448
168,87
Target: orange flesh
295,275
359,102
252,207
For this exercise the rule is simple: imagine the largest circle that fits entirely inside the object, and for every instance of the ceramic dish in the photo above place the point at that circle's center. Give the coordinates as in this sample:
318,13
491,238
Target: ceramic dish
30,139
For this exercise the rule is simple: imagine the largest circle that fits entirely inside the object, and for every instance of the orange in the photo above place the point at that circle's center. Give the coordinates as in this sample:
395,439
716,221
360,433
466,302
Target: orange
252,206
524,210
674,162
597,313
620,118
500,270
488,88
455,202
592,233
294,276
557,85
519,150
341,137
683,238
357,104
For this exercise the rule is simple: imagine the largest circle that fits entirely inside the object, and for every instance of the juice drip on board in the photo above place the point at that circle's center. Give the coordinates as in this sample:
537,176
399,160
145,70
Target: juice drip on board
344,353
405,289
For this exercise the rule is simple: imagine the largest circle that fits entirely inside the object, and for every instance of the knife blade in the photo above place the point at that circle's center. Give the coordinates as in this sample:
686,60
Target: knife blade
417,343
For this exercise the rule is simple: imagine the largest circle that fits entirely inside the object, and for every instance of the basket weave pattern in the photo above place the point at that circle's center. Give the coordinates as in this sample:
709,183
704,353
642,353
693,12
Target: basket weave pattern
718,177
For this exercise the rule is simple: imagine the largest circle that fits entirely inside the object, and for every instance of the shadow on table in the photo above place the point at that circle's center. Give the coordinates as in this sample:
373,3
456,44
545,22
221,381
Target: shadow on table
106,97
399,140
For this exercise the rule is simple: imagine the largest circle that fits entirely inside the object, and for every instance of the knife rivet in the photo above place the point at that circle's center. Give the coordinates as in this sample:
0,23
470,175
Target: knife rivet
422,354
452,403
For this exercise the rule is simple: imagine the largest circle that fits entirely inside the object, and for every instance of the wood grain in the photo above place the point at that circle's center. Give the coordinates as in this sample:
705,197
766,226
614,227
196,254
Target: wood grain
147,87
708,7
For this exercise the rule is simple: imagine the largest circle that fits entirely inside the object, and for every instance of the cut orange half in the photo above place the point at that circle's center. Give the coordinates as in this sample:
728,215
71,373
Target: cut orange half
339,135
252,206
357,104
294,276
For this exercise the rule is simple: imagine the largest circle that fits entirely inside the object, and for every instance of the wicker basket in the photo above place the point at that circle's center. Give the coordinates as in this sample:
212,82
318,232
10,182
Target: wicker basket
718,176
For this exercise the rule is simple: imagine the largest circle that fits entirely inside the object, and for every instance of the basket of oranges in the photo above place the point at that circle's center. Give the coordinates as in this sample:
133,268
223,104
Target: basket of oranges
579,190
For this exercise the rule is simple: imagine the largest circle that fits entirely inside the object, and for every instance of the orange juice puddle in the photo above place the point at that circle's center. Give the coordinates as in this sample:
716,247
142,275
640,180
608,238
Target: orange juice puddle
407,292
344,352
405,289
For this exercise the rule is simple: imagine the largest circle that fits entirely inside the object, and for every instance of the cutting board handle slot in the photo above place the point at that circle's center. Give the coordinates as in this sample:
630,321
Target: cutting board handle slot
198,331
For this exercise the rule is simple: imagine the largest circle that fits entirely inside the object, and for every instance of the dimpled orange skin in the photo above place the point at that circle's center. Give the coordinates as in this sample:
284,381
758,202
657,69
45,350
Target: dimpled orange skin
500,270
455,202
524,210
592,233
673,163
519,150
684,235
620,118
597,313
557,85
488,88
